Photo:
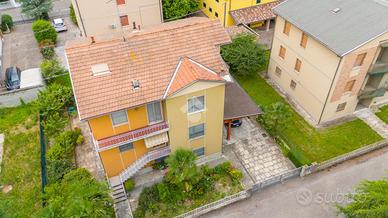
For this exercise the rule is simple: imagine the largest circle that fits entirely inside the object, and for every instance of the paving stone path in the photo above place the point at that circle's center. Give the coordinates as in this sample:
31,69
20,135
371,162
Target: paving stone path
373,121
259,154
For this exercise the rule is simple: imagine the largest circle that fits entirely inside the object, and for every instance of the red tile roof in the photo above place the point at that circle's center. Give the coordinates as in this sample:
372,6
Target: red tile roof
188,71
255,13
149,56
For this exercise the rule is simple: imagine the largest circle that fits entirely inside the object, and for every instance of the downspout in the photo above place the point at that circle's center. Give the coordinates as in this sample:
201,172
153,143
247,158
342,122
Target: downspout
80,17
328,94
224,13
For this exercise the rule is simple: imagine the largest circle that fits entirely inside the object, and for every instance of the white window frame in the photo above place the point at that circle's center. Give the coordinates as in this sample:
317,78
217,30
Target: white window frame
120,124
161,111
199,111
197,137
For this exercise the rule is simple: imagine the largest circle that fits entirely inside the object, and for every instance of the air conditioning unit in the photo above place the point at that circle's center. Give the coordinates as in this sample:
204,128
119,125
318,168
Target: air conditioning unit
113,26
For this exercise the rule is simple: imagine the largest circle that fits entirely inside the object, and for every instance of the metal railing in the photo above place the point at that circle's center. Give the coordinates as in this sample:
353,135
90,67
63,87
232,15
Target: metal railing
137,165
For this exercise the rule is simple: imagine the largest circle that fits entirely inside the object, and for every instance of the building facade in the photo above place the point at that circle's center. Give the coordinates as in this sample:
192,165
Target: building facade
220,9
143,100
328,73
100,17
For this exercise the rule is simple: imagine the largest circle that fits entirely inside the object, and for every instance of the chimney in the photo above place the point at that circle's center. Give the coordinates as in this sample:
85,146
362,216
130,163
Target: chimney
138,26
134,25
93,40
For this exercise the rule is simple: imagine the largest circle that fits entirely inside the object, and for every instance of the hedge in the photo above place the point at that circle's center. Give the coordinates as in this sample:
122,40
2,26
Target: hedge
44,32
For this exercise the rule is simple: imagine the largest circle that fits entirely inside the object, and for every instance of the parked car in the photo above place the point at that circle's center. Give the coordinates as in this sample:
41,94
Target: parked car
12,78
59,25
235,123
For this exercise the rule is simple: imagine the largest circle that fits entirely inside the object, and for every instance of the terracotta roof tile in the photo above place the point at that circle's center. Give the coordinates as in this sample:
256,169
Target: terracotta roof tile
149,56
255,13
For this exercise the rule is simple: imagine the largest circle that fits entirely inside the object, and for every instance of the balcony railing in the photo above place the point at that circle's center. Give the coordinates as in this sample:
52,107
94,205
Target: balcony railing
140,163
134,135
379,68
372,93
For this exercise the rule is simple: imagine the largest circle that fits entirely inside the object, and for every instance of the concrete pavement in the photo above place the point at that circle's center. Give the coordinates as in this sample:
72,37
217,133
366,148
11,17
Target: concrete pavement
311,196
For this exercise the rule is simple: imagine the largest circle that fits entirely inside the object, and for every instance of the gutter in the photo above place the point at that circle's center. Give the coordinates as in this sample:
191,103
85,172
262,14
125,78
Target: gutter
331,86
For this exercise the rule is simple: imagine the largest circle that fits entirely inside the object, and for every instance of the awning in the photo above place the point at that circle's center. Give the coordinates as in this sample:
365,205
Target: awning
156,140
238,104
254,14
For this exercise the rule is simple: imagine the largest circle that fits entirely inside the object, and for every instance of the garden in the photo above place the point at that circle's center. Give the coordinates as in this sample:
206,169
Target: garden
300,141
187,186
383,114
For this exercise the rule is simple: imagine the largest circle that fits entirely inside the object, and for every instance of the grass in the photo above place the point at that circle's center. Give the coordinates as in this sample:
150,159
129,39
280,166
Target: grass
383,114
21,162
317,144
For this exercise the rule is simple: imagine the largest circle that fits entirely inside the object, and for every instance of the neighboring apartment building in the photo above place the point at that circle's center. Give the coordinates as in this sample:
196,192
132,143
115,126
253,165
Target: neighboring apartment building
99,17
221,9
152,92
330,56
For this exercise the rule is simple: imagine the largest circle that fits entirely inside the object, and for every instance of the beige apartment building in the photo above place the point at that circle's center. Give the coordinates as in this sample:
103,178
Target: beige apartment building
99,17
331,57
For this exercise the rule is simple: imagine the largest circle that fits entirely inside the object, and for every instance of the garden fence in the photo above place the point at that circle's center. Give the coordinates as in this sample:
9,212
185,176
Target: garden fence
42,154
277,179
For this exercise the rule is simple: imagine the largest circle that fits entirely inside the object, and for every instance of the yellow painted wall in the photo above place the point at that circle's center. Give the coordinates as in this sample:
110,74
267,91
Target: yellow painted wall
224,6
179,121
115,161
102,126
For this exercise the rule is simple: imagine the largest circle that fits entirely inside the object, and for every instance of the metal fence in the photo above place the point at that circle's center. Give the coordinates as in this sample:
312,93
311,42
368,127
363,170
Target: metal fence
277,179
215,205
42,155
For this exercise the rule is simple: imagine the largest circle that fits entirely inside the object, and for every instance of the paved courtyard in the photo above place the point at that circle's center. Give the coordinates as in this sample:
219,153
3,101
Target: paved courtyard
258,153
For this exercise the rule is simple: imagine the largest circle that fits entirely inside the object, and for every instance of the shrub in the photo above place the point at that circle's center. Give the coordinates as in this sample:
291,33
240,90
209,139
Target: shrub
43,30
51,69
6,22
72,15
148,200
64,145
56,169
47,52
129,185
54,99
54,123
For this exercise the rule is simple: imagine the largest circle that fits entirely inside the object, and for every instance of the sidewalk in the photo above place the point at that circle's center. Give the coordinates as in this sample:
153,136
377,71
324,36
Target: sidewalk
373,121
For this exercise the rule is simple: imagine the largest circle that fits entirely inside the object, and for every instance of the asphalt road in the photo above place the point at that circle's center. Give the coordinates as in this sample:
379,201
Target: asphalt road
313,196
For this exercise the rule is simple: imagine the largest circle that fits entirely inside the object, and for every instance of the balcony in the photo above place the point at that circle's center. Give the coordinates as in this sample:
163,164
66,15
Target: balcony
379,68
371,92
131,136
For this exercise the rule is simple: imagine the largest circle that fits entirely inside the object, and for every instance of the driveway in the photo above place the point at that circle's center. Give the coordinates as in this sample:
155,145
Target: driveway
311,196
257,152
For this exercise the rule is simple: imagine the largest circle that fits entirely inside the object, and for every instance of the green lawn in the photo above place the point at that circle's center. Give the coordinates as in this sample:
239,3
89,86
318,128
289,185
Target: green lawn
21,162
383,114
317,145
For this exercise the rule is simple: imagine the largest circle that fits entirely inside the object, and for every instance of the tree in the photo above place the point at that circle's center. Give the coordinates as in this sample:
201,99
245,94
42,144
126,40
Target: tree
183,171
54,99
78,194
51,68
244,55
370,200
6,22
174,9
275,117
37,9
44,32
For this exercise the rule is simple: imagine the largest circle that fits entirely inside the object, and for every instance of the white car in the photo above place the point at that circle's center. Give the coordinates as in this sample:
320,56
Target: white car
59,25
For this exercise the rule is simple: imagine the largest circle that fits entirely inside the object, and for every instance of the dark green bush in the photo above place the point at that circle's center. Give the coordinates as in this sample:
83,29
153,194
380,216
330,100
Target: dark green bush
129,185
6,22
56,169
54,98
148,200
47,52
51,68
64,145
54,123
43,30
72,15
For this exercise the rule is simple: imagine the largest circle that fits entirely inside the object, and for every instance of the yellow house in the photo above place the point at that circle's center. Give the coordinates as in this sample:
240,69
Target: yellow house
150,92
221,9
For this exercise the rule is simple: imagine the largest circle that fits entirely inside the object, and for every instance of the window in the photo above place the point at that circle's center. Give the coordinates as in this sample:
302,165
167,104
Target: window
216,14
210,9
341,107
359,60
124,20
258,1
278,72
349,86
119,118
100,69
120,2
217,0
293,84
282,52
303,40
298,64
197,131
287,28
196,104
204,5
199,151
154,112
126,147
